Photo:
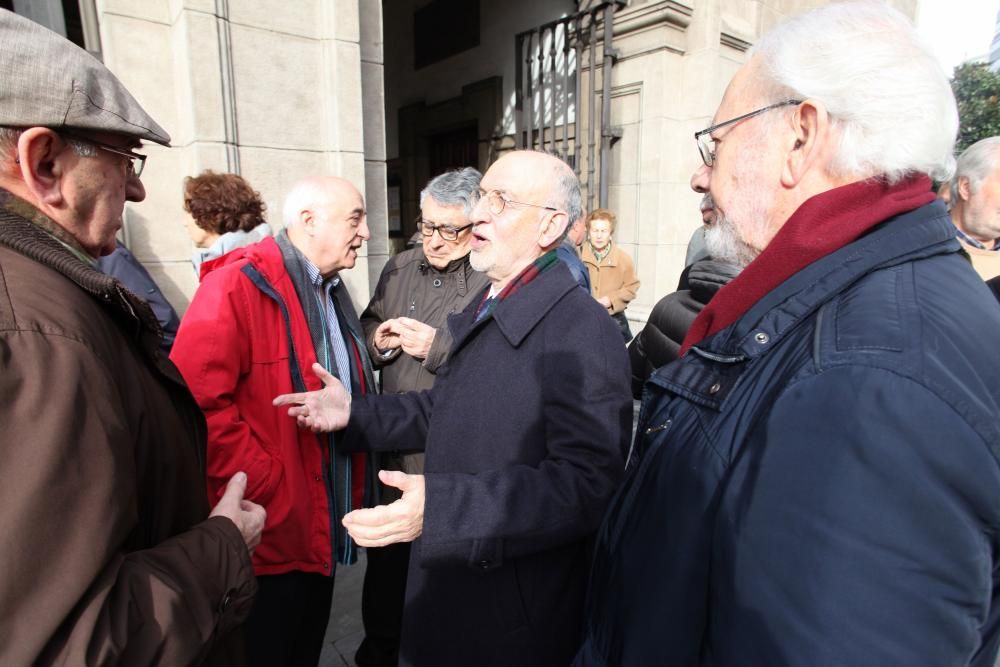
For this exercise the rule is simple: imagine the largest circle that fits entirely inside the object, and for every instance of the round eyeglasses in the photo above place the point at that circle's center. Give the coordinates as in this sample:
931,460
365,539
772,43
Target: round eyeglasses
496,201
706,144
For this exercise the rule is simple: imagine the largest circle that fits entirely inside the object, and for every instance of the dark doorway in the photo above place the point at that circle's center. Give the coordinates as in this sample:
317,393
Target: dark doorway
453,150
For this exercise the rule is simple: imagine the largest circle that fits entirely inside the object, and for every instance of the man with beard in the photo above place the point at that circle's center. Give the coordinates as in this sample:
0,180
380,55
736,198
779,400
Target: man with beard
407,334
975,205
525,434
815,481
264,313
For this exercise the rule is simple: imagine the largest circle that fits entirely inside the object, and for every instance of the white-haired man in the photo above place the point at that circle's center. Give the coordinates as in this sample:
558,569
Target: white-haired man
262,316
525,434
975,205
815,481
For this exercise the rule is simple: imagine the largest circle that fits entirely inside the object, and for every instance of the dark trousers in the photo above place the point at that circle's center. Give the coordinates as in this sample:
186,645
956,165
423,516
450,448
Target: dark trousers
382,599
288,620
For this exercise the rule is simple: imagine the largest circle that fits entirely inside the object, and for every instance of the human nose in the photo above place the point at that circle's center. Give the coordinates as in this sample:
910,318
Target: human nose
363,231
134,189
481,211
700,179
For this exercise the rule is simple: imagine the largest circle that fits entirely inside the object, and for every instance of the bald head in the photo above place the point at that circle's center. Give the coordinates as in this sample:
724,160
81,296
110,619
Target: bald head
325,219
539,195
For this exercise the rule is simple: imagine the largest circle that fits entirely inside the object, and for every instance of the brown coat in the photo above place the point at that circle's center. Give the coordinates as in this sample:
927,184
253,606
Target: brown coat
614,277
106,555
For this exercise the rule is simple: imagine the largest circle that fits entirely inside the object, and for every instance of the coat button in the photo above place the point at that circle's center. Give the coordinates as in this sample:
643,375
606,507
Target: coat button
484,564
318,478
326,566
226,599
761,338
714,389
437,282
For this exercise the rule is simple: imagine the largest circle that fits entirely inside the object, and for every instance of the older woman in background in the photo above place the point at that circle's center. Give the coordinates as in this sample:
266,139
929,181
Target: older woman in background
612,274
225,213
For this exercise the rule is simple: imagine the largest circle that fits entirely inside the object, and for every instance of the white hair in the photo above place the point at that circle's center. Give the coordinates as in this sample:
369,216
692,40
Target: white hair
454,188
975,164
887,96
304,195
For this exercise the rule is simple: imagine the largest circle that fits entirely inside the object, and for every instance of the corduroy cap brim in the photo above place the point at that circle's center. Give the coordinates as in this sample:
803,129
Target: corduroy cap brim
47,81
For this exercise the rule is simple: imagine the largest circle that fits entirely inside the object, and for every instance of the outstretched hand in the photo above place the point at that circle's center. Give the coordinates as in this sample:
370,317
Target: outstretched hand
326,409
401,521
249,517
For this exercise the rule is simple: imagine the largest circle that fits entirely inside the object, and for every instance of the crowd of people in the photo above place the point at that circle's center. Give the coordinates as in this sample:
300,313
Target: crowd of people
813,479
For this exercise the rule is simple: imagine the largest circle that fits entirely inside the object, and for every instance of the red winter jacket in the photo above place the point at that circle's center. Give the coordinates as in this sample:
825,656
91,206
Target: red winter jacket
233,350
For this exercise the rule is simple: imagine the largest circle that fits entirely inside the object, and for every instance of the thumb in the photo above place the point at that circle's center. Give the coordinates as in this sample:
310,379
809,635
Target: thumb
324,375
395,478
235,489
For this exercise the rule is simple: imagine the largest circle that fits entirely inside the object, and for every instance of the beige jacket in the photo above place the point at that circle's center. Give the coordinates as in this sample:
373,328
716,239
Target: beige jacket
614,277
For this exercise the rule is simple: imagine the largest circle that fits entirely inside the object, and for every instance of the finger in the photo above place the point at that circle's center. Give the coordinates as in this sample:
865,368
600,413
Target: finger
235,488
395,478
288,399
368,517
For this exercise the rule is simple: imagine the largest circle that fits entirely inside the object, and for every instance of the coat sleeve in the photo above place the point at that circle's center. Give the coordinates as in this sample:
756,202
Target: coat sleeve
867,529
621,297
74,591
387,422
440,348
212,352
481,519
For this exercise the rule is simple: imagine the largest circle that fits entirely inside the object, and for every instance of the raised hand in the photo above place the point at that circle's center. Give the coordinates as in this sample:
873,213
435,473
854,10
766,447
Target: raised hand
415,337
401,521
326,409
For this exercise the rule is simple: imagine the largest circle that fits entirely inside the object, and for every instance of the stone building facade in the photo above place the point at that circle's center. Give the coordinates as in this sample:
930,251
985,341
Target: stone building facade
278,89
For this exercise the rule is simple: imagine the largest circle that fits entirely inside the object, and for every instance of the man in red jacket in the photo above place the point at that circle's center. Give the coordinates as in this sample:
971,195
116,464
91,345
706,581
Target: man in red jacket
261,317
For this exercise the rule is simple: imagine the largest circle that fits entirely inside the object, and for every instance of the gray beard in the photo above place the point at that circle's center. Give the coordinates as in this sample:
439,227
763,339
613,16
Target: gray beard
724,244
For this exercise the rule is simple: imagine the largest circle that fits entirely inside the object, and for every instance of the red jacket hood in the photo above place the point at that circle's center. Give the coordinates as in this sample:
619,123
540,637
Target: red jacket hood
261,255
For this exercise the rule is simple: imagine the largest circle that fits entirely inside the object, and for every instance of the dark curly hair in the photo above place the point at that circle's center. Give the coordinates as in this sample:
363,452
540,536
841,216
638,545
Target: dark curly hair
221,203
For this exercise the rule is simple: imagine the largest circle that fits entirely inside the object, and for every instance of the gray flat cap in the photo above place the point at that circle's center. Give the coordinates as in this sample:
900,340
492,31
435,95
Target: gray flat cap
47,81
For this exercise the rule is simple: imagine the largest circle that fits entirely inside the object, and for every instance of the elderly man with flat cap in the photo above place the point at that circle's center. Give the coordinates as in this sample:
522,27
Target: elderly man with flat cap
524,431
109,555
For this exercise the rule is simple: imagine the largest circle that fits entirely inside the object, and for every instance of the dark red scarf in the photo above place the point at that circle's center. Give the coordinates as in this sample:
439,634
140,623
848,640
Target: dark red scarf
821,225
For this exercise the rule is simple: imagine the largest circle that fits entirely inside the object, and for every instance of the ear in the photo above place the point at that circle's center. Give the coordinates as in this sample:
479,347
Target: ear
308,221
42,155
809,143
552,228
964,188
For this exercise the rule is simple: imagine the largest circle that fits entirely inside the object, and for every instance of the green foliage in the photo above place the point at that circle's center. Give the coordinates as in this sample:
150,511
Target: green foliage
977,90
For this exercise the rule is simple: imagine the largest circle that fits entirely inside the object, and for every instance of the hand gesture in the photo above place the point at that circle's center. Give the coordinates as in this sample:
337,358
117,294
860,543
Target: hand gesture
326,409
415,337
386,336
401,521
249,517
605,301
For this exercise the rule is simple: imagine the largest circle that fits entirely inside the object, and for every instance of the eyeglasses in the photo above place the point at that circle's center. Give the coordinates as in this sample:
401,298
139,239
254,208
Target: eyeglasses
497,202
447,232
705,136
136,161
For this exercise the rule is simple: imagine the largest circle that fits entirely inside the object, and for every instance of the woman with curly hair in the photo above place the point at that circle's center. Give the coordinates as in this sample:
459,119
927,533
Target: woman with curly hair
224,213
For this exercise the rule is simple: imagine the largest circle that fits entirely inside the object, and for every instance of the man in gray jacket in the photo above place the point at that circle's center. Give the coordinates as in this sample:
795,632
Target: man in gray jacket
407,334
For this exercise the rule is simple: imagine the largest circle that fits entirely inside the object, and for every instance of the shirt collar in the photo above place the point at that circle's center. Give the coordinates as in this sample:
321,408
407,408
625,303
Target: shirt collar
976,243
315,277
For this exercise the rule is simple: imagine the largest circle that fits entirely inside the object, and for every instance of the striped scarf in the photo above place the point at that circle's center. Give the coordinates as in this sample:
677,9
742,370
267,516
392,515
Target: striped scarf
530,272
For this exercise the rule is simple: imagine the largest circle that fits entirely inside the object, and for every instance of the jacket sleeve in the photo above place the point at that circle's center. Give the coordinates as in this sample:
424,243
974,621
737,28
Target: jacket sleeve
622,296
440,348
74,591
481,519
867,528
212,352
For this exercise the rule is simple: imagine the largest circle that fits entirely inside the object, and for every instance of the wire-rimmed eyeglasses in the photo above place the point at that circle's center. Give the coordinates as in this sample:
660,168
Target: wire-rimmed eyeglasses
447,232
136,161
496,201
703,137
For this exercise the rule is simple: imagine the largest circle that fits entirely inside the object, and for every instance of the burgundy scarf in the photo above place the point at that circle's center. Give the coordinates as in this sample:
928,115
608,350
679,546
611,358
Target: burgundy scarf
822,224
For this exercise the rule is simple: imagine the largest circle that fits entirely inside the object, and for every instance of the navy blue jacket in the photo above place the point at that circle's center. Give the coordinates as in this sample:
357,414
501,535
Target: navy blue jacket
526,431
818,483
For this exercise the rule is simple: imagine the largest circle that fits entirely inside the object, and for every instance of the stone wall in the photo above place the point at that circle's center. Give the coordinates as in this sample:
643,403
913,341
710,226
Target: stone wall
268,89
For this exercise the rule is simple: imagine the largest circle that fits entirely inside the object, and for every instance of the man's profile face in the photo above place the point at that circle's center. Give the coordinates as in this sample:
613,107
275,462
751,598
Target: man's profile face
96,189
340,227
502,245
981,218
439,252
742,181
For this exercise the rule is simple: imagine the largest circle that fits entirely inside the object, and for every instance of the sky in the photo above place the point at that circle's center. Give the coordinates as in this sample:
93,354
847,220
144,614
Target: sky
957,29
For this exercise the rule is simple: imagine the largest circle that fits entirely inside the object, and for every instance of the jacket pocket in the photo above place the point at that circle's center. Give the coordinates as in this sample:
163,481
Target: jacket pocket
641,461
507,600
